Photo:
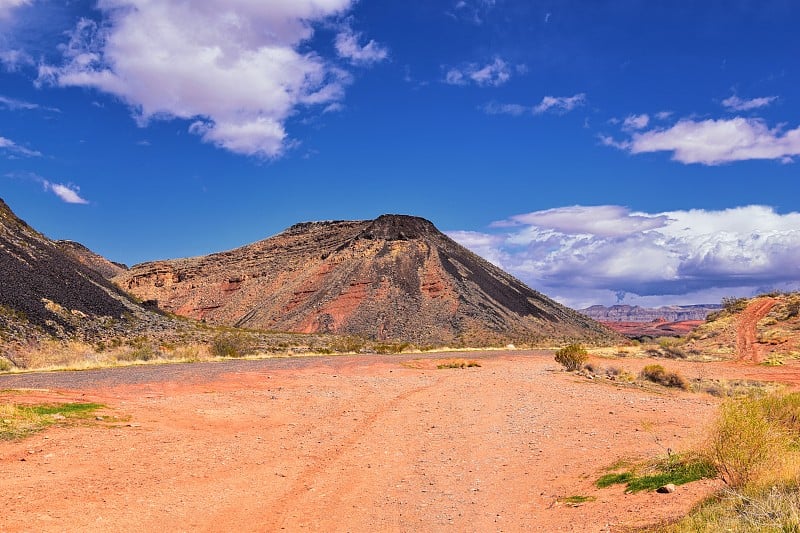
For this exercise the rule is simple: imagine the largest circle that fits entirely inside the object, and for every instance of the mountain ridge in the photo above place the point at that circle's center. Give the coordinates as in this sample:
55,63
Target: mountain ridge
396,277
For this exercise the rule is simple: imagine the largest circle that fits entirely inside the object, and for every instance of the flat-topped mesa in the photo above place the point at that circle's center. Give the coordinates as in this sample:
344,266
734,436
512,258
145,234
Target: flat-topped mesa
398,228
393,278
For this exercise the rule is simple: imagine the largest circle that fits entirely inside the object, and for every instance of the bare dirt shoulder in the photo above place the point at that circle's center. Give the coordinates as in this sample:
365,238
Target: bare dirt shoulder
346,444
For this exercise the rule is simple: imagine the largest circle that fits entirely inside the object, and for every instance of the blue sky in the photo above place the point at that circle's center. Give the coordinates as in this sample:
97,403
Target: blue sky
600,151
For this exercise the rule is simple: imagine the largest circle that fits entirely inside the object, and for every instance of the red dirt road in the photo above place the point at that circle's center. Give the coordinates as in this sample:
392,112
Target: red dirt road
746,335
352,444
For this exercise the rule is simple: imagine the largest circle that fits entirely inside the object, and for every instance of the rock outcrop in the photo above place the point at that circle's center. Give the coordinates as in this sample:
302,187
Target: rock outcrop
393,278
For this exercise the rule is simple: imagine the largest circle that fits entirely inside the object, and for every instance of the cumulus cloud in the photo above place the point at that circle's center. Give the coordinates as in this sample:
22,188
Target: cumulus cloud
348,47
7,6
738,104
664,257
13,148
238,70
714,142
492,74
67,192
556,104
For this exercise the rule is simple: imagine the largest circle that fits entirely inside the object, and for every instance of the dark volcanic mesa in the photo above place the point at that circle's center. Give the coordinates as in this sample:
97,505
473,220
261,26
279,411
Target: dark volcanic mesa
394,278
44,287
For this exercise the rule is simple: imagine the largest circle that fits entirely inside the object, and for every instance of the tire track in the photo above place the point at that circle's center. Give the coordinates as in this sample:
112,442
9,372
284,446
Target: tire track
336,450
746,329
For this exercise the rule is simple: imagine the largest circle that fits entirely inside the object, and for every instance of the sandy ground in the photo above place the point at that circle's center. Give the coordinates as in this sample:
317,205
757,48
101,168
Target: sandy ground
361,443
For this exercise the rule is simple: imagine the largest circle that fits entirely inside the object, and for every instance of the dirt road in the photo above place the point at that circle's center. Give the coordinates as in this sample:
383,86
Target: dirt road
370,443
746,336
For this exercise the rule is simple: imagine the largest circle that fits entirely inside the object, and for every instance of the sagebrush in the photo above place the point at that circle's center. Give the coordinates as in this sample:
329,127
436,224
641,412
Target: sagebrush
572,357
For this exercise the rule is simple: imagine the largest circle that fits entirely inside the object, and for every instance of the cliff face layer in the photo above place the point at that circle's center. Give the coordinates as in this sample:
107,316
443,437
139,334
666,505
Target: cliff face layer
394,278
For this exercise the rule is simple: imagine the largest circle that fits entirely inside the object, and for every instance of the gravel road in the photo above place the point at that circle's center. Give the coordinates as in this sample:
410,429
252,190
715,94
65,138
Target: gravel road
211,371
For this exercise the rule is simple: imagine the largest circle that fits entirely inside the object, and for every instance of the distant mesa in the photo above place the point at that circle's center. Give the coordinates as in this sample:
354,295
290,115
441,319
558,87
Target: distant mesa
635,313
637,322
393,278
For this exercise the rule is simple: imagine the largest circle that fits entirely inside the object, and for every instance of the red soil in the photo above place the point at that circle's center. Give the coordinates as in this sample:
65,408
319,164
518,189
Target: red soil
354,444
746,334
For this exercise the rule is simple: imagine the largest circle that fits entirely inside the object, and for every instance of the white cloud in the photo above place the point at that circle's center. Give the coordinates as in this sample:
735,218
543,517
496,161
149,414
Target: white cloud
14,59
67,193
663,115
348,47
604,220
670,256
238,69
636,122
559,104
516,110
474,11
492,74
738,104
7,6
10,146
14,105
713,142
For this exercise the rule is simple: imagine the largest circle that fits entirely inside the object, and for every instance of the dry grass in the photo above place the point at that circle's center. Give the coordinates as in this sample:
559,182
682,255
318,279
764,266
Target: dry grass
755,446
54,355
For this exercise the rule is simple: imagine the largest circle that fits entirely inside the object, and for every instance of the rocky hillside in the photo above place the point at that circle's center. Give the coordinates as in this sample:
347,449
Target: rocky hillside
760,329
86,257
635,313
393,278
47,291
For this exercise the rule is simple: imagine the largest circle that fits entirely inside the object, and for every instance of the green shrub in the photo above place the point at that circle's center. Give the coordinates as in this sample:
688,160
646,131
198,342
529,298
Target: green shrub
232,344
658,374
5,365
734,305
572,357
671,347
